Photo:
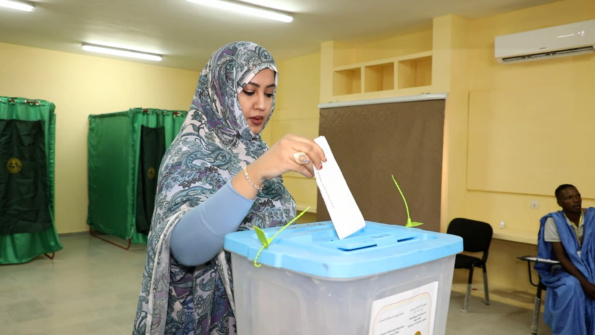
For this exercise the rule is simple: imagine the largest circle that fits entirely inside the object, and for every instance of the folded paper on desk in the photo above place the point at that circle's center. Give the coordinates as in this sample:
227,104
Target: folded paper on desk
342,208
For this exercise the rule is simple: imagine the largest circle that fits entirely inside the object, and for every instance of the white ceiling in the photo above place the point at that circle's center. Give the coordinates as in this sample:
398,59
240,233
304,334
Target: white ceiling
186,33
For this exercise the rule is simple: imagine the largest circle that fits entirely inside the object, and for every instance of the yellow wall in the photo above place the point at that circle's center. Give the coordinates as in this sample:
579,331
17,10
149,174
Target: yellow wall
297,113
80,85
392,47
535,167
509,85
464,66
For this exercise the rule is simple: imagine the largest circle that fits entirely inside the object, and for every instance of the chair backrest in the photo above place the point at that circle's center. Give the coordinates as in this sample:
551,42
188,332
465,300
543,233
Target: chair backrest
477,235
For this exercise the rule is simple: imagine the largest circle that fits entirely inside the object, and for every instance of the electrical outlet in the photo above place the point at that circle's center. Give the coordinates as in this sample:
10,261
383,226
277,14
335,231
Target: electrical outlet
502,224
534,204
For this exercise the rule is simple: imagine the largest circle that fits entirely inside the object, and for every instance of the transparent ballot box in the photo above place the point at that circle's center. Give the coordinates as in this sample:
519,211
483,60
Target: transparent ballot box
384,279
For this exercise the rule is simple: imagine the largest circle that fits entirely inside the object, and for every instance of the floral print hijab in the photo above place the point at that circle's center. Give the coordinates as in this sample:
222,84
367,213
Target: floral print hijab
213,145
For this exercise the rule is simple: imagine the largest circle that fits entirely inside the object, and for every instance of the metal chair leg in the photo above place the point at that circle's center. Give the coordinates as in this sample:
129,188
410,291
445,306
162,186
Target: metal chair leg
468,294
485,286
467,298
536,310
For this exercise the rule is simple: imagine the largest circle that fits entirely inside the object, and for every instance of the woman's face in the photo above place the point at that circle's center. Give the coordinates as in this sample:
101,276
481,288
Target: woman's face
256,99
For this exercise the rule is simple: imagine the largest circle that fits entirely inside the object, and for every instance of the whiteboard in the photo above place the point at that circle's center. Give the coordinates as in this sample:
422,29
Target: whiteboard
531,140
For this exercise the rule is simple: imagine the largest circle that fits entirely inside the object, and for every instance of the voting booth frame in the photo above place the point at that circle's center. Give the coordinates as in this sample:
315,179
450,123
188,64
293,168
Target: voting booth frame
125,150
27,151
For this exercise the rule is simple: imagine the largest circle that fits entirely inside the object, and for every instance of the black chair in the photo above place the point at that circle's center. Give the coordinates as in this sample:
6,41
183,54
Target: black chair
477,236
540,288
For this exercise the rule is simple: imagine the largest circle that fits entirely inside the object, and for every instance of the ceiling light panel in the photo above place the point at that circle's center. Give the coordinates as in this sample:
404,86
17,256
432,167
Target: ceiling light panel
243,8
121,52
19,5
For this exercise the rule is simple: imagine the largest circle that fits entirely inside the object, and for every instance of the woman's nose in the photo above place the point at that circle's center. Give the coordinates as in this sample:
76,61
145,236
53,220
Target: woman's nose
260,105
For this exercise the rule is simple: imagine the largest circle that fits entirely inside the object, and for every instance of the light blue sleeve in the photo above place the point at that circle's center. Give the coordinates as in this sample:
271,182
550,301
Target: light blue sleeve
199,234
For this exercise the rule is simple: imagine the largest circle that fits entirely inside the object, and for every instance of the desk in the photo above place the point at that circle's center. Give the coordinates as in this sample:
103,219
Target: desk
515,236
540,287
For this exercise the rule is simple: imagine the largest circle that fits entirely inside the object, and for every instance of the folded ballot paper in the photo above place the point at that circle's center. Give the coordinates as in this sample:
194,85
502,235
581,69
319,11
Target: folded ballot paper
345,214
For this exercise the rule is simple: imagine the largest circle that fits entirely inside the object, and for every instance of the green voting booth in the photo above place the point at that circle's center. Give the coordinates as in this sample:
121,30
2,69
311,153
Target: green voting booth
125,150
27,147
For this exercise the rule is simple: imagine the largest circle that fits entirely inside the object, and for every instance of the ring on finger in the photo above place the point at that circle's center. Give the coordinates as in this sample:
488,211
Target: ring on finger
301,158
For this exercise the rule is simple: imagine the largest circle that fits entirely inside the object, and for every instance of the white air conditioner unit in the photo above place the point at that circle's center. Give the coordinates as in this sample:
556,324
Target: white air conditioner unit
566,40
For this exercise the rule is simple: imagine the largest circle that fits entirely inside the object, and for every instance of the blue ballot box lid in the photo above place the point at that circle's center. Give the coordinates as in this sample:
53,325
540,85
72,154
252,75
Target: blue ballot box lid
315,249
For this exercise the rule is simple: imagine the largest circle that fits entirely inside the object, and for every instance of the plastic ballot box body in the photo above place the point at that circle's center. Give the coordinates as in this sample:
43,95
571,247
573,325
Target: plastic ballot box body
382,280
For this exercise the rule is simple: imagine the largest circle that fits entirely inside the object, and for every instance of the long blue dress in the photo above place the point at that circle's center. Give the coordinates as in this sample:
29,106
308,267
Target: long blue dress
568,311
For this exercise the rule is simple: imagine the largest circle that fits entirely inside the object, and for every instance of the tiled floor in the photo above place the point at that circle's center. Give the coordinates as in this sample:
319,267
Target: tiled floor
494,319
91,287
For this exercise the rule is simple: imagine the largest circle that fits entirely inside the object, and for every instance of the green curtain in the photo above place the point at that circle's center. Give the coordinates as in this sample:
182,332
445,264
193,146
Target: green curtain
114,174
27,148
152,148
24,192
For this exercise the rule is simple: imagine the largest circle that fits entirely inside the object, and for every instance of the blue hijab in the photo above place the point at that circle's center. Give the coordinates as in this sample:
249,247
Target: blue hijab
213,145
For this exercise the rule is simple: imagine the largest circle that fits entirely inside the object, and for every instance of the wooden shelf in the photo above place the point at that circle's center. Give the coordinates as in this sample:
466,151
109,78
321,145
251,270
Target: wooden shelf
405,72
415,72
380,77
347,81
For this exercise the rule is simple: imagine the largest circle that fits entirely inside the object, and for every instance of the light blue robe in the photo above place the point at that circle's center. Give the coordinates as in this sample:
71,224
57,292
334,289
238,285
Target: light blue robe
567,309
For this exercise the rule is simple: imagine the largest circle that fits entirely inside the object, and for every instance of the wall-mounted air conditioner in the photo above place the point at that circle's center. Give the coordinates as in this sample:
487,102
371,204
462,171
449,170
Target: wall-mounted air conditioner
566,40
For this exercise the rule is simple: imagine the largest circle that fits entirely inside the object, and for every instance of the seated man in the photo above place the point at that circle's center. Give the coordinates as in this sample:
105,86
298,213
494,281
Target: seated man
569,237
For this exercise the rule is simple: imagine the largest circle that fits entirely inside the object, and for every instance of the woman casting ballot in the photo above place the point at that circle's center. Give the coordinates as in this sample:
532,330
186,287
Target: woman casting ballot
217,177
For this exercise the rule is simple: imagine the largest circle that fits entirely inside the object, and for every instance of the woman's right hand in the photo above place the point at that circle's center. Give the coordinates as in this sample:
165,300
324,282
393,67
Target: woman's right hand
279,159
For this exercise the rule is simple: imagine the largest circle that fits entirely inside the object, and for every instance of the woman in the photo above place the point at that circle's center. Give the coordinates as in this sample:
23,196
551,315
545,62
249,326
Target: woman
217,176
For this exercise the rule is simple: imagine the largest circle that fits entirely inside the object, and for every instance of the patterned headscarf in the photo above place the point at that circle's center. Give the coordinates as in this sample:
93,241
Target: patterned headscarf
213,145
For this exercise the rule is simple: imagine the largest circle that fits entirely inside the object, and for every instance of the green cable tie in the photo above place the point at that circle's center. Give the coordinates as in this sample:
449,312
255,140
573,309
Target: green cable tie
409,223
267,241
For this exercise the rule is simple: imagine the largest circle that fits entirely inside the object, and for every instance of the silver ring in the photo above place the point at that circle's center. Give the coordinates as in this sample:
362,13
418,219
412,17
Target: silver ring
301,158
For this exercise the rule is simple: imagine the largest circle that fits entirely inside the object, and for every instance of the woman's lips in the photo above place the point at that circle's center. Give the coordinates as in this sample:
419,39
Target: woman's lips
257,120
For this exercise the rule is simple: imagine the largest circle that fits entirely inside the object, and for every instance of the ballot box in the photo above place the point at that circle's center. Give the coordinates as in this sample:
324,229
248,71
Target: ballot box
382,280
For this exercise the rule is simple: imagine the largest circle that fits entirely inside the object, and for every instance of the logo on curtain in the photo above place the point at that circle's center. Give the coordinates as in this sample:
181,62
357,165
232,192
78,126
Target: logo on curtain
14,165
151,172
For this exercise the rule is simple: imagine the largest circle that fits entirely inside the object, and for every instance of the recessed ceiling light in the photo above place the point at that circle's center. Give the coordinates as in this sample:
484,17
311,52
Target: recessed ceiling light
244,8
20,5
121,52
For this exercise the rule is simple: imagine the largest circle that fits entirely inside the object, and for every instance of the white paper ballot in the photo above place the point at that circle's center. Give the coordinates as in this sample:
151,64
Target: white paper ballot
338,199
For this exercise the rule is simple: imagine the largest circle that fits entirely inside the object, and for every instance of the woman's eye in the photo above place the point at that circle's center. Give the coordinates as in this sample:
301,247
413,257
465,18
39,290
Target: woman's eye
269,95
248,93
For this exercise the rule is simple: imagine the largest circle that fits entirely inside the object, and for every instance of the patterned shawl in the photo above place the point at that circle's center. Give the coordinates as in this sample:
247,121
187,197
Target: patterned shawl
213,145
